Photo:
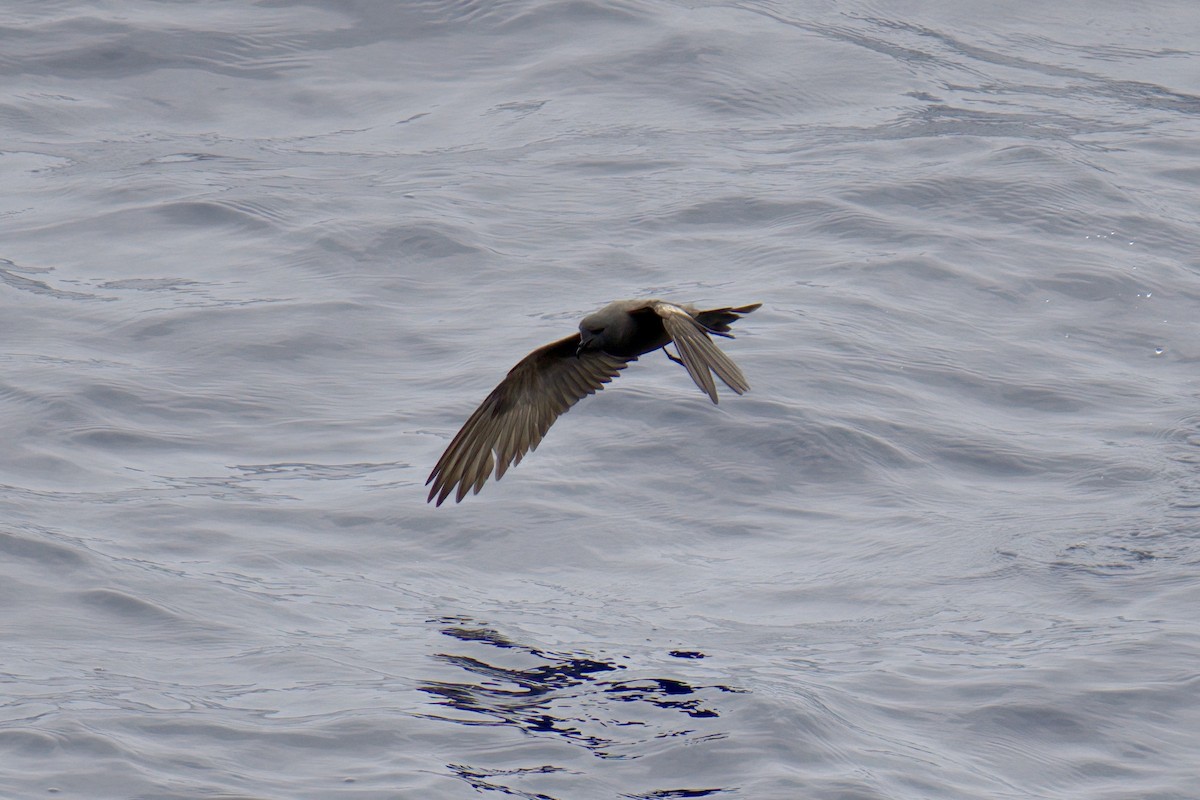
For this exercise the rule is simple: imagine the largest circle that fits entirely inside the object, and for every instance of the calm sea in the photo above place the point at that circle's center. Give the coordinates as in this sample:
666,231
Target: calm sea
259,261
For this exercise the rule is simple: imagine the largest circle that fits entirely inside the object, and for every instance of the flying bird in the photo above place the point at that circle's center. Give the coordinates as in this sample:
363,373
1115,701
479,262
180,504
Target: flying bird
547,382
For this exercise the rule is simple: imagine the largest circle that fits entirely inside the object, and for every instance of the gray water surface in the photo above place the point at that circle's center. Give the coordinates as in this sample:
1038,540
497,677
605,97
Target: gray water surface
258,262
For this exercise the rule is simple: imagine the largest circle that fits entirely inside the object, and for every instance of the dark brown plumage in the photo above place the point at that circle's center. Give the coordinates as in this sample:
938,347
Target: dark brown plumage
512,420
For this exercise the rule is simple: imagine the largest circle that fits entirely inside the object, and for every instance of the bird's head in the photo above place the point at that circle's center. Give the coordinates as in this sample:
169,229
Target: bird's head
610,329
590,339
599,330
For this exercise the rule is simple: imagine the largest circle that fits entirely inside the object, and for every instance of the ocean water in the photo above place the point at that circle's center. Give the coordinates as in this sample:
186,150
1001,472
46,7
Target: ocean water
259,261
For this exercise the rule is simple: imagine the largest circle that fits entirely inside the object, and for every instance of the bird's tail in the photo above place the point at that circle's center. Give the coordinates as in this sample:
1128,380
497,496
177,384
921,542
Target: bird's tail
717,320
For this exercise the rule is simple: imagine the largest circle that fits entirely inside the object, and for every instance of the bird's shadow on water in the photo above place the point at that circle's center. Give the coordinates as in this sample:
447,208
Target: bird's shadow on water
586,701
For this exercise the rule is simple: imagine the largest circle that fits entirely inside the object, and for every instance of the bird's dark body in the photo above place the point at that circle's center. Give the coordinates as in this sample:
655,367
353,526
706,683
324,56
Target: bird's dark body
516,415
651,336
648,334
648,331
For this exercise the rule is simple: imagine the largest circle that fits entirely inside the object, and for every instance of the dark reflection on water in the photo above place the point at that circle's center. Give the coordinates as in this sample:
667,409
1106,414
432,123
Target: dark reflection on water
486,779
671,793
579,699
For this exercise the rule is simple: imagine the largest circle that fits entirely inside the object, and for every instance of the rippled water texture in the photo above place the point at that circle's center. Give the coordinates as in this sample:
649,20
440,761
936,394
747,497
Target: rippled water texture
259,261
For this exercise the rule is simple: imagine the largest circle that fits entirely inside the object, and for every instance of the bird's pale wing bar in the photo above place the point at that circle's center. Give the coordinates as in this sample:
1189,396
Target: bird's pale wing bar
700,356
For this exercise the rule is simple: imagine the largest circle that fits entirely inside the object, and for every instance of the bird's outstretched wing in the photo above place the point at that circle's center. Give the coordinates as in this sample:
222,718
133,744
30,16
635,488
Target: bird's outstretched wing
700,356
516,415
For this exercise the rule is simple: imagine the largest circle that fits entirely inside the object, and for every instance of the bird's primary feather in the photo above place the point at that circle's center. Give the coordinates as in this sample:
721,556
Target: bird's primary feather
513,419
